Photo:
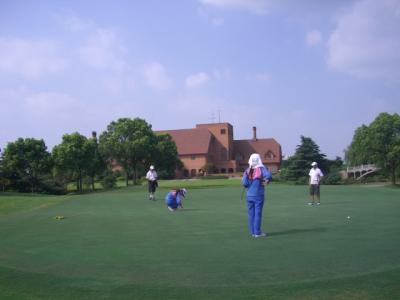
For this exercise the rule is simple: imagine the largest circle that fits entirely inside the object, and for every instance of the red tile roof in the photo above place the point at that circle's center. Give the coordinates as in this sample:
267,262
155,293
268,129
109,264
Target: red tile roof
261,146
190,141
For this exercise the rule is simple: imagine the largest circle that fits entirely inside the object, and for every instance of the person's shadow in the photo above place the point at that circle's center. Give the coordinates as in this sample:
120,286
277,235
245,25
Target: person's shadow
294,231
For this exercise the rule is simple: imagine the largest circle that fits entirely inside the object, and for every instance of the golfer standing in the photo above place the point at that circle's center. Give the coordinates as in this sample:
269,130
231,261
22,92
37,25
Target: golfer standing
151,177
315,178
254,179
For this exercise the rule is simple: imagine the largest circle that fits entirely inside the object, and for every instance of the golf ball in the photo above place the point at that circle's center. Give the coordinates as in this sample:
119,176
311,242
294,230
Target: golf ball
348,217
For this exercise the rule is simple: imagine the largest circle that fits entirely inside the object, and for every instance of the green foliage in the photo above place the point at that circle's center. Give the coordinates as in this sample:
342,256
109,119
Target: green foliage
130,143
210,168
25,161
95,163
165,156
332,179
73,157
109,180
298,166
377,143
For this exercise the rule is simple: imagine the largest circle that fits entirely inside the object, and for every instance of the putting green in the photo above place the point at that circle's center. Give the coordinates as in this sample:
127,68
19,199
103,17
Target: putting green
120,245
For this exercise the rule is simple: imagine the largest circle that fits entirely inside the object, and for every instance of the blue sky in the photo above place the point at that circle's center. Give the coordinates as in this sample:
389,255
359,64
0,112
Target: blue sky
291,68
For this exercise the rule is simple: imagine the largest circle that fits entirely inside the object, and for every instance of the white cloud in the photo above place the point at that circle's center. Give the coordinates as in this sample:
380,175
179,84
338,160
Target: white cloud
103,50
50,103
366,41
258,7
30,58
156,77
313,37
197,80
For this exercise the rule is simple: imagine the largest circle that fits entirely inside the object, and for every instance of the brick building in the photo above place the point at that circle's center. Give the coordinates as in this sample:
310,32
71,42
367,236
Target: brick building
214,144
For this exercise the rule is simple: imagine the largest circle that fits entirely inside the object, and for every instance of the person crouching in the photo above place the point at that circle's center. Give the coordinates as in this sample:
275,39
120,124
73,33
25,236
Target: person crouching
174,199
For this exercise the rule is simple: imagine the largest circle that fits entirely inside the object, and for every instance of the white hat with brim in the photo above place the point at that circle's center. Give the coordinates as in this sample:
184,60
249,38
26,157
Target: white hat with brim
313,164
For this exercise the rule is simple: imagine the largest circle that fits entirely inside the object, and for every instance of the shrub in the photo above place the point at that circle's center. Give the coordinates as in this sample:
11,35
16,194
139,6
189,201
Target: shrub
332,179
49,185
109,180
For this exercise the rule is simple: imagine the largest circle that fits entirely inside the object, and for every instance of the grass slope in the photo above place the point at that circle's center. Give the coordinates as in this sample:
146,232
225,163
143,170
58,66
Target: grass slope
119,245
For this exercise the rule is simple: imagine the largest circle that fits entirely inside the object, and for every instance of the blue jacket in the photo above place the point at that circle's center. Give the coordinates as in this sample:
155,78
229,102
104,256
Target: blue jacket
173,199
255,187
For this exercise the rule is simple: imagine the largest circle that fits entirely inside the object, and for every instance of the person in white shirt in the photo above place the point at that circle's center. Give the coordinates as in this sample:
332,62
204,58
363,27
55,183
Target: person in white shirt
151,177
315,178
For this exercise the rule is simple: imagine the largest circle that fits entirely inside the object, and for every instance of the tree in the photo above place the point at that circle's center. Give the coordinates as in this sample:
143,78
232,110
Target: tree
27,160
298,165
4,181
378,143
95,164
166,156
73,155
359,151
130,143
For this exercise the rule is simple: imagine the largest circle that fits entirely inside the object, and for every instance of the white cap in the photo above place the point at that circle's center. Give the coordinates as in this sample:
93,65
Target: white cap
183,191
151,167
314,164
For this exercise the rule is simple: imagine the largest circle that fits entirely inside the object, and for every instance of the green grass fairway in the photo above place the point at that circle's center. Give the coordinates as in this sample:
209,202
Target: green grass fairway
119,245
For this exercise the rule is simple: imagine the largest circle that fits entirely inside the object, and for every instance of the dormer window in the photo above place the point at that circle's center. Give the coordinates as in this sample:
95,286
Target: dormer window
223,131
269,155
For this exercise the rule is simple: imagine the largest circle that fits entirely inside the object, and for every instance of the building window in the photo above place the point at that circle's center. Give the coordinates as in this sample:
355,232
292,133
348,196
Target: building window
193,157
223,170
269,155
230,170
223,131
186,173
192,172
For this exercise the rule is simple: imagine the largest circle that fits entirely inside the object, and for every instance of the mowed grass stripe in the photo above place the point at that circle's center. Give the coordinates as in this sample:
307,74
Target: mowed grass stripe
122,241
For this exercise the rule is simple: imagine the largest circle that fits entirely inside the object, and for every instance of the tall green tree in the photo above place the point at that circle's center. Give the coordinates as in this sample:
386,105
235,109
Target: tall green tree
129,143
4,181
73,156
166,156
95,164
359,151
378,143
298,166
27,160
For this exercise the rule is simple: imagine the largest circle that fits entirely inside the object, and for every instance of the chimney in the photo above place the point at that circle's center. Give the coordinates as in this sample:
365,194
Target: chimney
254,133
94,135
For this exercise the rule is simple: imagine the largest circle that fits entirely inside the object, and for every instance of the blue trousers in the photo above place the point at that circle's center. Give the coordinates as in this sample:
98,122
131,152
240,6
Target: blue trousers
254,208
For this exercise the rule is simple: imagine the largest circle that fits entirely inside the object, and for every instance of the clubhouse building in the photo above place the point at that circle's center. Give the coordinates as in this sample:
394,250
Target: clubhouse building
213,145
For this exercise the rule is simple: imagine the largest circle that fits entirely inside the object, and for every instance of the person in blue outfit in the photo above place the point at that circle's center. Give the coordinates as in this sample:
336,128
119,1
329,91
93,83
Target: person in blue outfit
174,199
254,179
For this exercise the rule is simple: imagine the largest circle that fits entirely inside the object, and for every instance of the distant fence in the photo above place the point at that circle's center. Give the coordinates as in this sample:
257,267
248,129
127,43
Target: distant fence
360,171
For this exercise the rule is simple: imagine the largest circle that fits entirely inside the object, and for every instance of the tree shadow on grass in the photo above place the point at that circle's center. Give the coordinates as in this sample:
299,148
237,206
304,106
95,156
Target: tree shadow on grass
295,231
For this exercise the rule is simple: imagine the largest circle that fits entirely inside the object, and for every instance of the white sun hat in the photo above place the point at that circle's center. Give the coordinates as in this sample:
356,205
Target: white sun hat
314,164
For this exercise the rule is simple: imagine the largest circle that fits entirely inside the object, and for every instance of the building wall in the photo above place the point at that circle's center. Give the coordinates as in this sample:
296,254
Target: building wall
193,164
223,144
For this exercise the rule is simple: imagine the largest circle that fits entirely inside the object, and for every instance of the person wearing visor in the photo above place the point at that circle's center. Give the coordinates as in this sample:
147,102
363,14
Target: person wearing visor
254,179
174,199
